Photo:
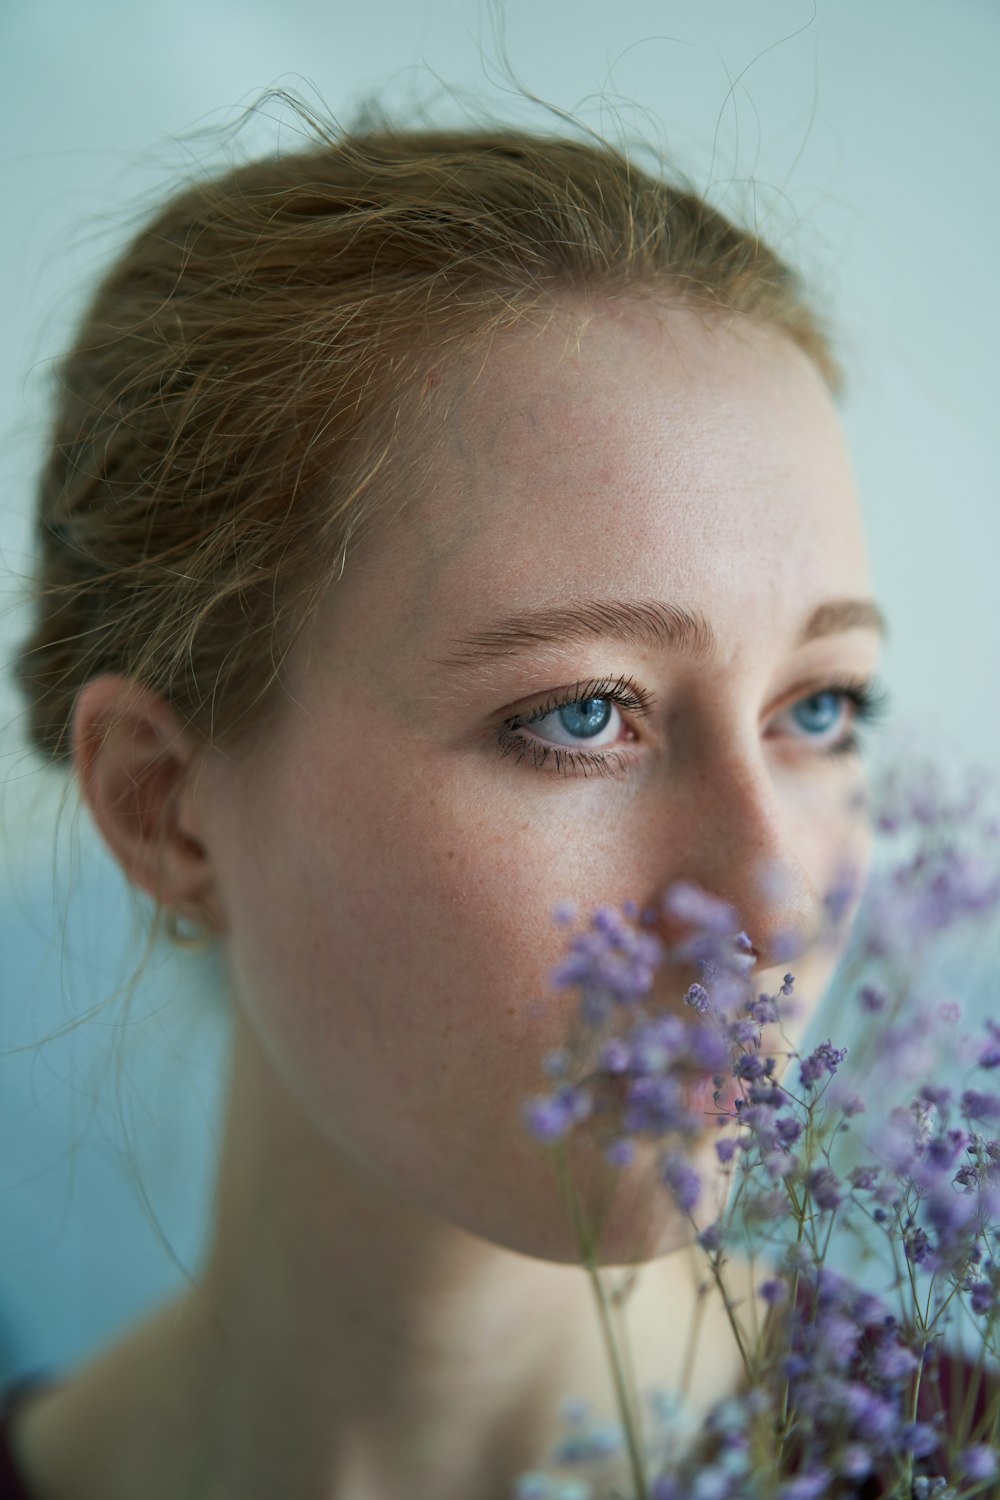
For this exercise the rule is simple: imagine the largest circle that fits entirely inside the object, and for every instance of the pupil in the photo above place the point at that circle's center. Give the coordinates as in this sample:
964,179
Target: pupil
588,717
808,708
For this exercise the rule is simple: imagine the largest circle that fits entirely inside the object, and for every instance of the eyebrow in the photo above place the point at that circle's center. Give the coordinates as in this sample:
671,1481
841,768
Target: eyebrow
640,622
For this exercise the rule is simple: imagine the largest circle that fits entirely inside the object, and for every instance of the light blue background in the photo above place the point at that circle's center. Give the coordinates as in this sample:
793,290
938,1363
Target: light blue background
864,137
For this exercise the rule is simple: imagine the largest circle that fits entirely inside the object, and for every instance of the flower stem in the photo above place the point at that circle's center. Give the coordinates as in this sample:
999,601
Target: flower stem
587,1251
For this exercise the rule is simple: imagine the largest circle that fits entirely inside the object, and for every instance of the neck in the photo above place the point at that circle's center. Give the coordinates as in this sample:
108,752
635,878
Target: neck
342,1344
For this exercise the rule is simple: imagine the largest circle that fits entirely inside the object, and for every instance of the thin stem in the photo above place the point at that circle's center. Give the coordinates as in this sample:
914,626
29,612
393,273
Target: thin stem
587,1251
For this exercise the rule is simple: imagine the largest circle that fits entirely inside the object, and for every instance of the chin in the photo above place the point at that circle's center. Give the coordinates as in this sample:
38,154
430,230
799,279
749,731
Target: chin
626,1214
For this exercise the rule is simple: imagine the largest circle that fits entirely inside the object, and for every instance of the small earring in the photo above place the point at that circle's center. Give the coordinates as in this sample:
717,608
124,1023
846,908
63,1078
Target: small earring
196,936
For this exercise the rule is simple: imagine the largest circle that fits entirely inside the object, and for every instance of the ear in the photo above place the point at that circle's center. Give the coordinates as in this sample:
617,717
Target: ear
136,765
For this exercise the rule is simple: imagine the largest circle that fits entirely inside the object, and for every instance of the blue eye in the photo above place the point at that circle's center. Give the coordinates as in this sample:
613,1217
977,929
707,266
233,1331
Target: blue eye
579,732
588,719
823,717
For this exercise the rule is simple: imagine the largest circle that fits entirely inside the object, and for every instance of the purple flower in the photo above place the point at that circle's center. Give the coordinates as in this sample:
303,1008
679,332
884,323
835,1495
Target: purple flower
919,1438
689,903
620,1153
894,1362
773,1291
825,1188
873,997
944,1150
707,1050
989,1054
697,998
837,1337
856,1461
711,1239
982,1298
549,1117
750,1065
788,1129
763,1010
812,1485
655,1106
936,1094
979,1106
825,1056
726,1149
917,1245
682,1180
978,1462
876,1418
615,1056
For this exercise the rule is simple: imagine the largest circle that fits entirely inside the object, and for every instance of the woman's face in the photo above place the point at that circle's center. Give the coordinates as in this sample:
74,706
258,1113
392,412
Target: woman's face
385,878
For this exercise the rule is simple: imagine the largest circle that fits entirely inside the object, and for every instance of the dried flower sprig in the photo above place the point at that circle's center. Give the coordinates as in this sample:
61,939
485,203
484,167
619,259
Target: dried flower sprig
843,1391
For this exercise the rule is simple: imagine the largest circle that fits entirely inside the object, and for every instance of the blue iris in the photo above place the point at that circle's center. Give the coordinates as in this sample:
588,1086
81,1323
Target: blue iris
833,700
587,717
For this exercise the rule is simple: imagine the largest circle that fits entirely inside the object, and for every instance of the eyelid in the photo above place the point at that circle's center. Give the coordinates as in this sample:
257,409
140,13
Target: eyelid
624,691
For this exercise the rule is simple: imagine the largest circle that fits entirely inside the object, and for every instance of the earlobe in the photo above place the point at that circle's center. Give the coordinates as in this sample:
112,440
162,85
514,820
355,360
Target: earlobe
135,762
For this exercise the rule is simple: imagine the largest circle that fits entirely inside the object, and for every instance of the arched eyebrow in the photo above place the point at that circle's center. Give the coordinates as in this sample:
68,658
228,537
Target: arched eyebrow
639,622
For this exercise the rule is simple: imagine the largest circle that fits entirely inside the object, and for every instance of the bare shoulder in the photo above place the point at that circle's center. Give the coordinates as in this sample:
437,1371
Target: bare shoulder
33,1429
95,1436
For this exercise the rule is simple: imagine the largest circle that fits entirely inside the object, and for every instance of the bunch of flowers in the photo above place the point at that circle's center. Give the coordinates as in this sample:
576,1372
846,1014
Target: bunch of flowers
849,1390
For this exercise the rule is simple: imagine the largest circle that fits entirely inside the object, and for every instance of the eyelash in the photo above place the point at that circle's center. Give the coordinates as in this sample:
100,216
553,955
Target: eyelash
871,700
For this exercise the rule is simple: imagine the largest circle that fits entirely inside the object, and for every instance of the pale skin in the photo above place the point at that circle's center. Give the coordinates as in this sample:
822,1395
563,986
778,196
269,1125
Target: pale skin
390,1307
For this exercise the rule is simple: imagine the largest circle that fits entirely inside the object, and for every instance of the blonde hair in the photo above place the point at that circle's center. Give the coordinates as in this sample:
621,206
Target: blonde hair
226,419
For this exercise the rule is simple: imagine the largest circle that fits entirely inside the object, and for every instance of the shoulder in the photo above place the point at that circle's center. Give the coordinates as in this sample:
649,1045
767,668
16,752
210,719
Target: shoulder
23,1472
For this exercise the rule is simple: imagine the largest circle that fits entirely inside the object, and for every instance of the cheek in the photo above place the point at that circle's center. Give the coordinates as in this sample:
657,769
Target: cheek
395,950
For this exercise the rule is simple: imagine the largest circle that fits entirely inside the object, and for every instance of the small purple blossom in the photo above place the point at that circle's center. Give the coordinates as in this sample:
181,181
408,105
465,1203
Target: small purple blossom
655,1106
697,999
989,1052
825,1056
689,903
856,1461
978,1463
812,1485
873,997
620,1153
711,1238
982,1298
551,1116
788,1129
682,1180
773,1291
750,1065
919,1438
979,1106
825,1187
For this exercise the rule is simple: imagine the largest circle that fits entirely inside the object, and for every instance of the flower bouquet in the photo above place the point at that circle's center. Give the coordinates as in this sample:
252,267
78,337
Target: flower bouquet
886,1388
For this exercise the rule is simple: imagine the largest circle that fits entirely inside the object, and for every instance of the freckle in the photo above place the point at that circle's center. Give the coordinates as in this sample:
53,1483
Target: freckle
451,854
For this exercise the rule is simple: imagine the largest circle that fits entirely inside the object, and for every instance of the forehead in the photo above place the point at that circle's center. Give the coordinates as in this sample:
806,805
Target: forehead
631,449
634,431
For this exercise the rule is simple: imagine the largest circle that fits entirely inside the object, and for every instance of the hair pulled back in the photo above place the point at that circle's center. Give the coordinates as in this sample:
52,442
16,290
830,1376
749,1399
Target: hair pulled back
225,419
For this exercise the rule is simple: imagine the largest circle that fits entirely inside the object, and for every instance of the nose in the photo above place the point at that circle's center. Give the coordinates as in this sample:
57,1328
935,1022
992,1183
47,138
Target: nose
732,835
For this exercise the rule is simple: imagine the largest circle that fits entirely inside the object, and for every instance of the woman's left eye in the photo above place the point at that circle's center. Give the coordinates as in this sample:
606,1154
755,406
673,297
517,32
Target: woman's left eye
825,711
